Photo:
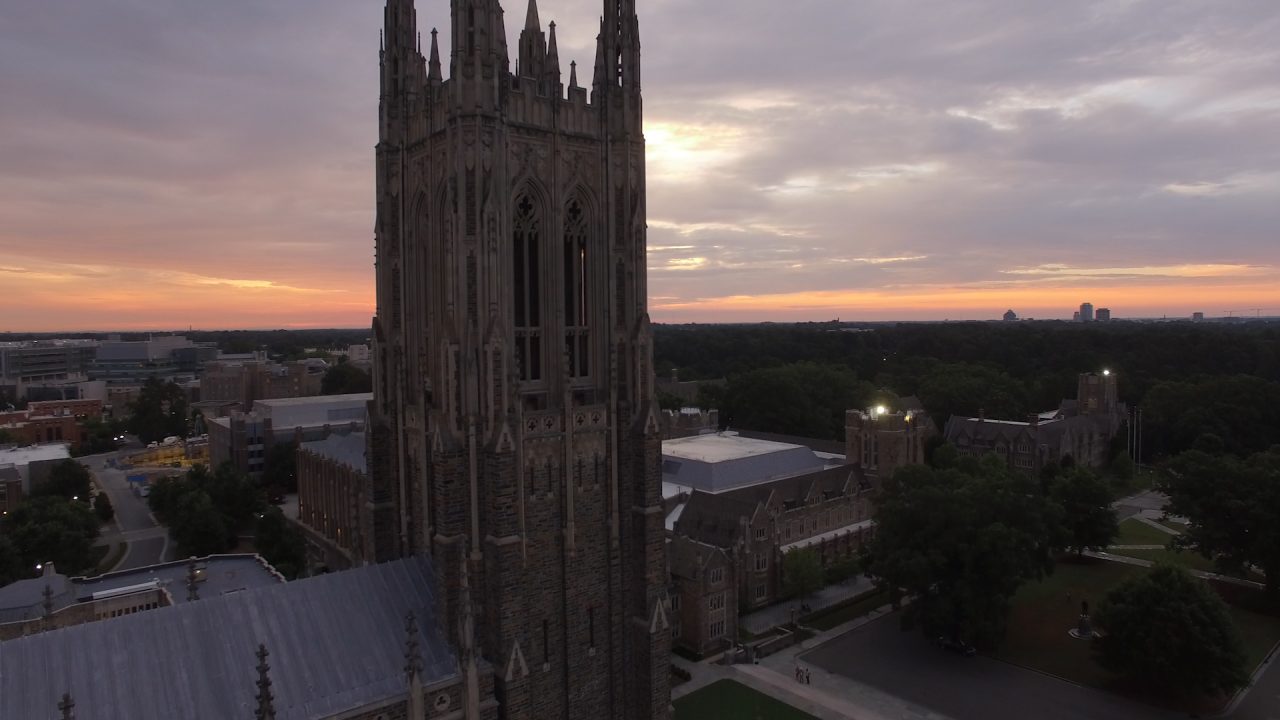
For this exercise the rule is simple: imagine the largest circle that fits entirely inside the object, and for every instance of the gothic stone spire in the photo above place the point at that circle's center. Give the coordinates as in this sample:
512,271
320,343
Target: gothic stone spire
266,702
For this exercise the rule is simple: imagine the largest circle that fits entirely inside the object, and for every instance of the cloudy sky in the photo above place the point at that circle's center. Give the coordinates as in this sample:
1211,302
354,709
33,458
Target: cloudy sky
166,163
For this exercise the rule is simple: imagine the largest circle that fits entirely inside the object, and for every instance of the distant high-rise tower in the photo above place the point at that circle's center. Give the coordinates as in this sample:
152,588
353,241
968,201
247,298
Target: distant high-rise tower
1010,316
1103,315
514,431
1086,312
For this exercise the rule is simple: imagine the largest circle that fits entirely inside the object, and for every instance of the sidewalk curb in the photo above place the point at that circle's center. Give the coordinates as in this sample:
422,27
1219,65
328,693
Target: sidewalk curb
1253,680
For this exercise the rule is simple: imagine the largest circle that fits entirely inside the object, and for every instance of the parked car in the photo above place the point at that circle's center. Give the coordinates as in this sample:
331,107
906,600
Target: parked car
956,645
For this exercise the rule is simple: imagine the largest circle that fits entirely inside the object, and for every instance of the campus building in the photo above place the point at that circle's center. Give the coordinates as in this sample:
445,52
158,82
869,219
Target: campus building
1080,429
244,439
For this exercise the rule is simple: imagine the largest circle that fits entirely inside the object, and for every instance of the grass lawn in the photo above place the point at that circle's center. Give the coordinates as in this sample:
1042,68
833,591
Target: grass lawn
1188,559
1042,614
1136,532
728,700
846,611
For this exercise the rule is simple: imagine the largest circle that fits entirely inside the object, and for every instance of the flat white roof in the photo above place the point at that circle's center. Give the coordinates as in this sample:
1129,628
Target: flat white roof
21,456
721,447
315,400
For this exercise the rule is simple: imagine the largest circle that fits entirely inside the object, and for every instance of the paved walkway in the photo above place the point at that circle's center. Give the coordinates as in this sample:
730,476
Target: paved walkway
827,696
765,619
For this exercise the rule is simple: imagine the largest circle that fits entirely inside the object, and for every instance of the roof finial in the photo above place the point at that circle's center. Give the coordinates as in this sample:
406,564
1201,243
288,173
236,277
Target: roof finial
67,706
193,587
573,74
266,703
47,604
412,654
433,65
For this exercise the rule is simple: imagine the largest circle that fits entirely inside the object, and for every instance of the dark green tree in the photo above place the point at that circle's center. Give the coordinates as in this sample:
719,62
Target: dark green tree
1171,632
11,563
165,493
1233,506
966,389
161,410
101,437
67,479
801,573
959,545
1088,518
280,468
237,498
345,378
198,527
805,399
281,543
103,508
52,529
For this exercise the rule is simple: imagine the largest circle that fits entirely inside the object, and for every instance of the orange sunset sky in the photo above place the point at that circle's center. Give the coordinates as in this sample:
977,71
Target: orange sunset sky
170,164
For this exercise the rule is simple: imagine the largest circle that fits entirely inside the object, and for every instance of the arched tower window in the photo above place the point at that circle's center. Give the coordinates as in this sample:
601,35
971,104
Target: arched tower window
527,228
576,290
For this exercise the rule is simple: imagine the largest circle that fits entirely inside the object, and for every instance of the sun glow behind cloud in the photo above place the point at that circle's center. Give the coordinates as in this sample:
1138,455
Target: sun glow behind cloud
880,160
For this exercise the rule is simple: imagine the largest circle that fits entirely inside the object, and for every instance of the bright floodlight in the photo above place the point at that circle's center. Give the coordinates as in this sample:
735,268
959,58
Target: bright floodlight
880,410
1106,372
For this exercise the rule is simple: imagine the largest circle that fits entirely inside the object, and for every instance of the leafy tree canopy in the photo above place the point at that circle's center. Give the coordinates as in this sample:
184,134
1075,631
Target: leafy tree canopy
1170,631
960,544
1088,518
801,572
53,529
280,468
281,543
1233,505
806,399
345,378
160,411
67,479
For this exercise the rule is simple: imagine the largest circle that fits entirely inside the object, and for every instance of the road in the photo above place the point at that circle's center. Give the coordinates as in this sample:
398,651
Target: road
148,541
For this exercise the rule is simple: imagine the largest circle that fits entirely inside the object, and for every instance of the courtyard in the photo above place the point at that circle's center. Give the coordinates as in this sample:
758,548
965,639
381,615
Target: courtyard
1029,669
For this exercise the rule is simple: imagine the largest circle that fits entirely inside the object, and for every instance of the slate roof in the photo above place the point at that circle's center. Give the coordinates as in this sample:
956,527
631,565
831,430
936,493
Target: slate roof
714,518
687,557
336,642
24,599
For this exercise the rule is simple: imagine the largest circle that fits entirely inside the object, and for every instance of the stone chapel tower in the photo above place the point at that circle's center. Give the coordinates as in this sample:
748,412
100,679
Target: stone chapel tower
513,432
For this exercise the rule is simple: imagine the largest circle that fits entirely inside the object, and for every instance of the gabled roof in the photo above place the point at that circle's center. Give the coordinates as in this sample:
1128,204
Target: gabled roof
336,643
714,518
688,557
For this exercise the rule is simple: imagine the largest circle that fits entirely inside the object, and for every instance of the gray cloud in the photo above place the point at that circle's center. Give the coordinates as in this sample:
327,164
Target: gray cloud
790,142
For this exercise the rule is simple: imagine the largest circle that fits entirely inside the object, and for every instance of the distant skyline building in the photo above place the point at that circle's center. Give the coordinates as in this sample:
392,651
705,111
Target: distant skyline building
1103,315
1086,312
1197,317
1010,316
